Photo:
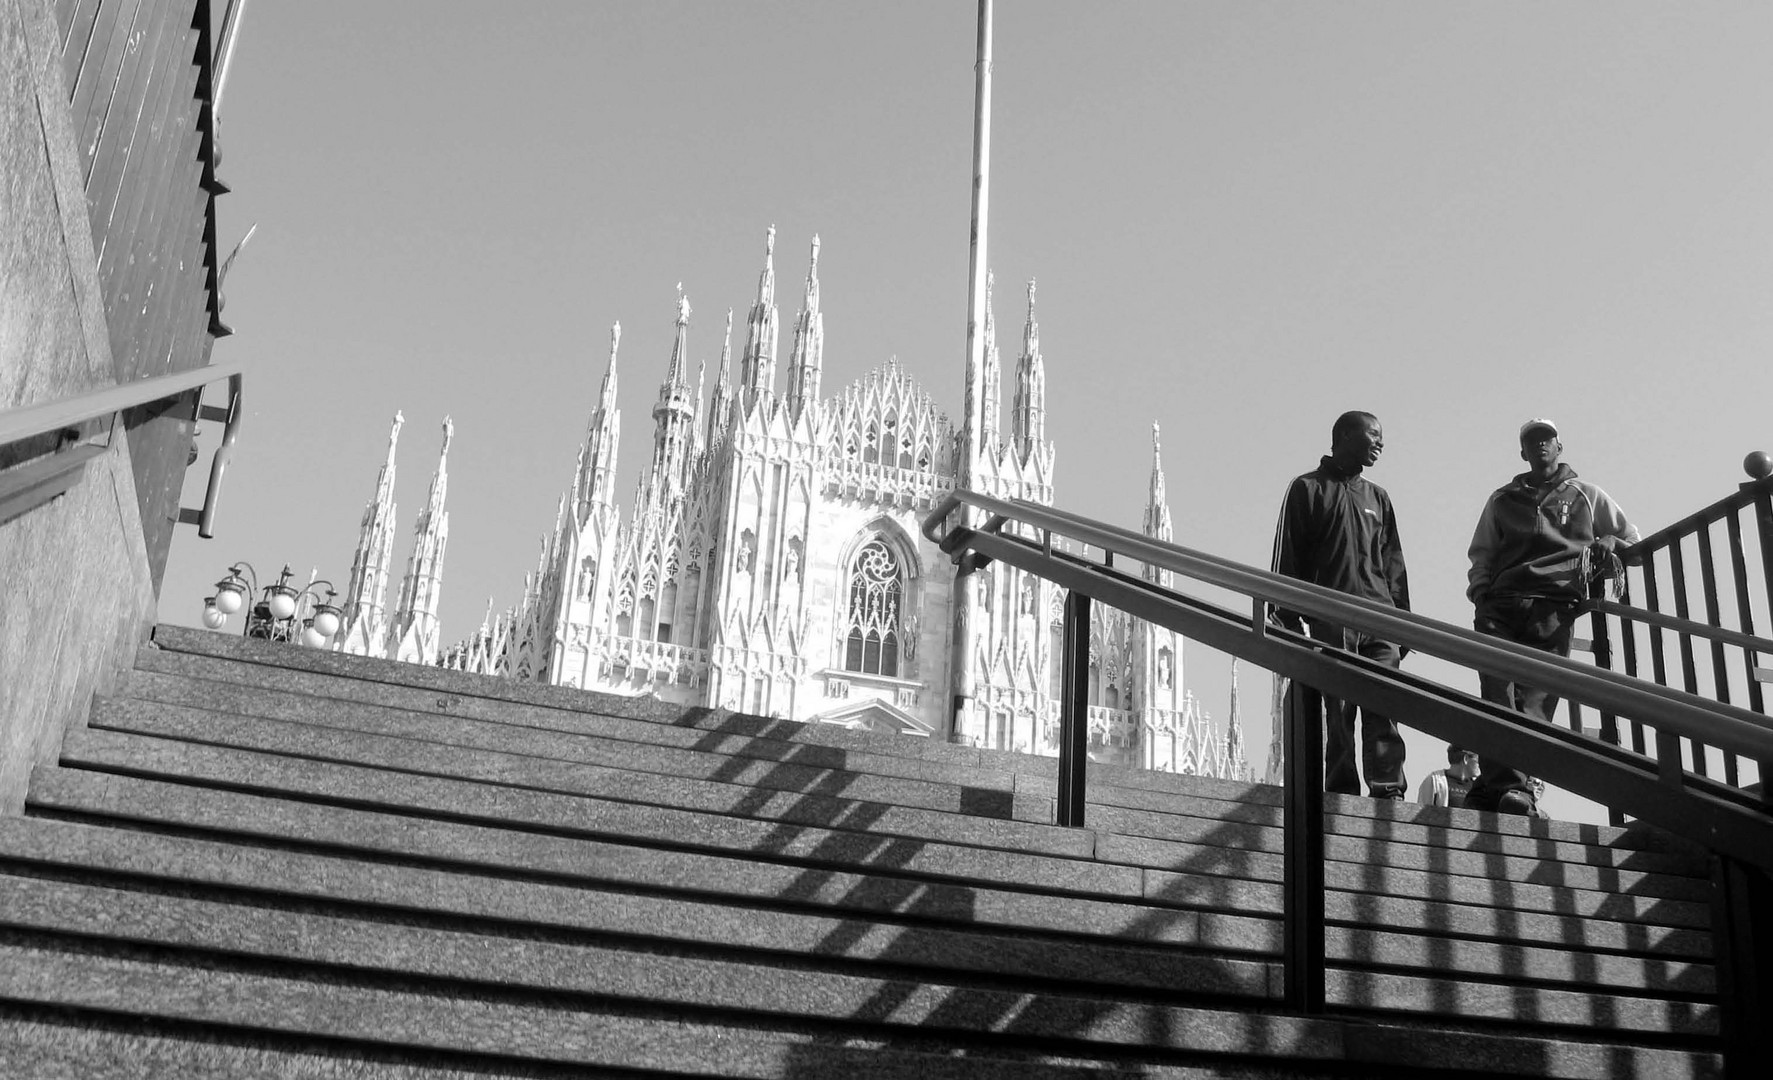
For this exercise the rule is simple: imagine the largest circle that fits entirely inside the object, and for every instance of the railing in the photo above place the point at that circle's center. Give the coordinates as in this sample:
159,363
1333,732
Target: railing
30,485
1733,823
1712,623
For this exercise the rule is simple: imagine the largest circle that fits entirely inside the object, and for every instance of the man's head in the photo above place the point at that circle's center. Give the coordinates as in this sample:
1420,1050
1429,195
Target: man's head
1540,446
1356,440
1461,762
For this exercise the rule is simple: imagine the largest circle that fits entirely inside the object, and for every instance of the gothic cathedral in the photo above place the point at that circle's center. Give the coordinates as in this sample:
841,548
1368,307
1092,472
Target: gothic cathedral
773,562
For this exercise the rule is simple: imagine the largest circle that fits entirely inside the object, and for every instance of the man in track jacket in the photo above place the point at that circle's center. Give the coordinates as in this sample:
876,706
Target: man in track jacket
1530,555
1337,529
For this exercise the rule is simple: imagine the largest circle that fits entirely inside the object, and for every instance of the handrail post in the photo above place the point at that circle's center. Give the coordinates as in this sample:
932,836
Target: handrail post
1303,918
1763,503
1074,710
1742,945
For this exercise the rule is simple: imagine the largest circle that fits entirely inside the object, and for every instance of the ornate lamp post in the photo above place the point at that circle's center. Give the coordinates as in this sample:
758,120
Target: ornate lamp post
282,612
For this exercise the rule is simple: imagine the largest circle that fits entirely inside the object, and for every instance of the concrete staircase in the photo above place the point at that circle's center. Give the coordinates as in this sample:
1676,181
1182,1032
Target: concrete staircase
261,860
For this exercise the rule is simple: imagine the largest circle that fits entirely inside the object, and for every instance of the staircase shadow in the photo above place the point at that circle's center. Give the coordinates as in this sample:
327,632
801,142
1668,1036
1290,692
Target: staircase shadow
1053,1016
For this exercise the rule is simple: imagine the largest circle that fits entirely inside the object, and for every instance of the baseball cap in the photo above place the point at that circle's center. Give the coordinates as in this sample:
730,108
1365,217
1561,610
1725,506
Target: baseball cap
1537,423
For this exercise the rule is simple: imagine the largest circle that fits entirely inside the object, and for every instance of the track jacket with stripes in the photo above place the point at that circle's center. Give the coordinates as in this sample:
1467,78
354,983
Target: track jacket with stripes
1337,529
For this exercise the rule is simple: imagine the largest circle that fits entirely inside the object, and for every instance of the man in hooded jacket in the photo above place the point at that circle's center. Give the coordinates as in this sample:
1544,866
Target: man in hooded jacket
1532,555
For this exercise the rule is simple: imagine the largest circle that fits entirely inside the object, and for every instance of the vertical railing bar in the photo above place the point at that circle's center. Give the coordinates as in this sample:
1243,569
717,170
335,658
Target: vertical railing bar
1609,724
1720,674
1744,610
1677,569
1628,641
1303,916
1074,722
1764,529
1668,747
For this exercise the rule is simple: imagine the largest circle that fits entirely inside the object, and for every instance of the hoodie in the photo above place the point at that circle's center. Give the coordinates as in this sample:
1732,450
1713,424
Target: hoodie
1531,537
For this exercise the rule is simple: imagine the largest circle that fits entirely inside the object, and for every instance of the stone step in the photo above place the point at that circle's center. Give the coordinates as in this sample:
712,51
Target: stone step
607,740
228,659
784,990
865,887
712,783
44,1044
439,1019
523,964
109,854
1032,801
1071,942
606,864
832,830
453,1024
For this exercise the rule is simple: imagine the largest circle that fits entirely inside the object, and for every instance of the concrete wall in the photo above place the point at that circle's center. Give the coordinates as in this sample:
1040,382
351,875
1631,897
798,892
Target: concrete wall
75,593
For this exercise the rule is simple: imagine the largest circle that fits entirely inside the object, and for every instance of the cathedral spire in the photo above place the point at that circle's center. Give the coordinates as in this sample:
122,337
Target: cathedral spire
721,407
1157,524
1028,420
596,481
675,413
413,636
1237,765
676,373
809,344
366,596
990,407
757,374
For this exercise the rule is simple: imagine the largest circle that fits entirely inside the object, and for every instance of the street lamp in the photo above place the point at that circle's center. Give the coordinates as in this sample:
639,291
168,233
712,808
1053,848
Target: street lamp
282,613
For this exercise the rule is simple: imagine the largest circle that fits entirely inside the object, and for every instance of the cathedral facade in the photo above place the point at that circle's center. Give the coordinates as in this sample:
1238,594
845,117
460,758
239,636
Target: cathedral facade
772,560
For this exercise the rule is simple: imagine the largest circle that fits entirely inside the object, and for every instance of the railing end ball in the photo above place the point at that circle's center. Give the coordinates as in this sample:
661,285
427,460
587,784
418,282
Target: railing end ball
1758,465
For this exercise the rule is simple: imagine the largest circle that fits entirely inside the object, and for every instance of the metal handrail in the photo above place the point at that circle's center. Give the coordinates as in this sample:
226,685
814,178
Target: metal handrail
1690,715
52,416
1661,538
49,417
1681,626
1735,825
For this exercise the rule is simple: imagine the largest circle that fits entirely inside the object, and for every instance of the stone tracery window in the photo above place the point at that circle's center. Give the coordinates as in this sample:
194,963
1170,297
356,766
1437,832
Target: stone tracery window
876,606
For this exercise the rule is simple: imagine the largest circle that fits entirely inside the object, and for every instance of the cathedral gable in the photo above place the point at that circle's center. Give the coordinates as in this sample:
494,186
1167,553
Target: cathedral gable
875,715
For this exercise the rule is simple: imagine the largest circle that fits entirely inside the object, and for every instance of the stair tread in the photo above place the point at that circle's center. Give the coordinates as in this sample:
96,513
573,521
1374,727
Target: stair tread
301,875
831,834
542,1031
258,858
1210,821
356,678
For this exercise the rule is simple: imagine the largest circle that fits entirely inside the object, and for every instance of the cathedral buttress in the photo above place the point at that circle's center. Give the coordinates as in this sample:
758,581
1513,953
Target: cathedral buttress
809,346
757,374
366,619
413,636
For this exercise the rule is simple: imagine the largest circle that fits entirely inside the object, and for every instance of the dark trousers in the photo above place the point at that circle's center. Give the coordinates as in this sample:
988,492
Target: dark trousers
1539,624
1381,744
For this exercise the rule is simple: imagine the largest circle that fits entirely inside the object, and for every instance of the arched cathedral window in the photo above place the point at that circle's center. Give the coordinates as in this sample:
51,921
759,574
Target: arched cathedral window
871,627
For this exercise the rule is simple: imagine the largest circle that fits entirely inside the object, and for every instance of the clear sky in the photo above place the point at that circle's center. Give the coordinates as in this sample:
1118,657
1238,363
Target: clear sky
1244,218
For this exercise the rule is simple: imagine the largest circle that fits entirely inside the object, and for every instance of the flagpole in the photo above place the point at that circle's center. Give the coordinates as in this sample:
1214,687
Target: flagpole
968,607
